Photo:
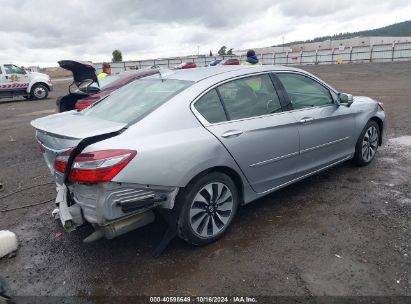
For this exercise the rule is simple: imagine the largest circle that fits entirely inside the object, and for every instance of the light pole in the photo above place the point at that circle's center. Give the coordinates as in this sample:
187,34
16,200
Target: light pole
198,50
283,44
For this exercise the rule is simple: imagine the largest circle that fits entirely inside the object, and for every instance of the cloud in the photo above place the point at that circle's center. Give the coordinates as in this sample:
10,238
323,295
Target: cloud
42,32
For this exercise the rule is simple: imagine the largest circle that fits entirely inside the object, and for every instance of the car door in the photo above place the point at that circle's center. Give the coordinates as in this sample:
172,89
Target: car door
16,77
246,115
325,127
3,83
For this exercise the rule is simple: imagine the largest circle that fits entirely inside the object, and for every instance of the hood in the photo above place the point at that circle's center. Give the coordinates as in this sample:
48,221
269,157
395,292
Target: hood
81,71
363,99
38,74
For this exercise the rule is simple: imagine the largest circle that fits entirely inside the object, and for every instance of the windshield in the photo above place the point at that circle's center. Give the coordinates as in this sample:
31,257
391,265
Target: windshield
136,99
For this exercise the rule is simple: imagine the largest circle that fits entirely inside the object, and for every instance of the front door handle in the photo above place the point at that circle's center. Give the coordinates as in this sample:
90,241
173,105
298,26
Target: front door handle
306,119
232,133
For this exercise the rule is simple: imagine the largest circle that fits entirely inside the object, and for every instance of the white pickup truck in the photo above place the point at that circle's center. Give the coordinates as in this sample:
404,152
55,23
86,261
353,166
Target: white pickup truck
15,81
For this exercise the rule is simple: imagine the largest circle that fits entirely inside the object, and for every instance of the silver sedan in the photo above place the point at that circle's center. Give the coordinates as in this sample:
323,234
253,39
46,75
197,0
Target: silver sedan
196,144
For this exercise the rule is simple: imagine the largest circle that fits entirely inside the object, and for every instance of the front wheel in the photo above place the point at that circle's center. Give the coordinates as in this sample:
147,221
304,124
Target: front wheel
209,207
367,144
39,91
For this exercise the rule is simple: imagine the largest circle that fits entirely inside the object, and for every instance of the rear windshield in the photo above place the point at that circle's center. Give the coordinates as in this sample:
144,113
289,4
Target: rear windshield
136,99
107,81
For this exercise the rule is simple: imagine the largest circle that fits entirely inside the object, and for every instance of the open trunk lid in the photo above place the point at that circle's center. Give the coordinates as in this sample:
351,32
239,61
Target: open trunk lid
81,71
60,132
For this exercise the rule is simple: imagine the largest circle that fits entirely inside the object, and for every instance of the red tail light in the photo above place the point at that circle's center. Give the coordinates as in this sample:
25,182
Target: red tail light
83,105
60,162
95,167
88,101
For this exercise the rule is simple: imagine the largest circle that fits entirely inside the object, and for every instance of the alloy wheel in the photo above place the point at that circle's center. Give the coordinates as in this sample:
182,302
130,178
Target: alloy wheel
369,144
211,210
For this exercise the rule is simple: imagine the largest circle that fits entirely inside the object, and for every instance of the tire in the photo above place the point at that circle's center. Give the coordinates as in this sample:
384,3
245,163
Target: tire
39,91
61,106
200,222
366,149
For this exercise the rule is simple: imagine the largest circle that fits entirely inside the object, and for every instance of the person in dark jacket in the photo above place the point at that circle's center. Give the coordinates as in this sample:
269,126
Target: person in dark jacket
251,58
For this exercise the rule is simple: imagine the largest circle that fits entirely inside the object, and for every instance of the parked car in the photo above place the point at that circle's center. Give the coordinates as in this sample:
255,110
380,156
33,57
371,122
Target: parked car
186,65
231,61
197,144
16,81
86,89
214,62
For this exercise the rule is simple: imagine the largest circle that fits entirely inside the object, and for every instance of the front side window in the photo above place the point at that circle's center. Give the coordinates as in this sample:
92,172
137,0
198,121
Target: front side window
250,97
12,69
210,107
305,92
136,99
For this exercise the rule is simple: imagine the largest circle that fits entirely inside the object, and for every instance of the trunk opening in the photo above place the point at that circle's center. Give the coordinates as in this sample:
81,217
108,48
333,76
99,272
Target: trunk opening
68,102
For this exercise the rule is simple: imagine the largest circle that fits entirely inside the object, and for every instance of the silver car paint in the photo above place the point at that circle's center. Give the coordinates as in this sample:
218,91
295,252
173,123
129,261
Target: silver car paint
174,143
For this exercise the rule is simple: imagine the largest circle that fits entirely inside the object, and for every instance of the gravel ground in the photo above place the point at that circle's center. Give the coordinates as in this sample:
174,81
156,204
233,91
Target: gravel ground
345,231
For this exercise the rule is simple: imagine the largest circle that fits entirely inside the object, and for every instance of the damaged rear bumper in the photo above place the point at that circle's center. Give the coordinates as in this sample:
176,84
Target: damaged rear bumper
112,208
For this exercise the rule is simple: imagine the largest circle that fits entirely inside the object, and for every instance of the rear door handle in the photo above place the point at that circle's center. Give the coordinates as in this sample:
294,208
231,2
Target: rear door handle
306,119
232,133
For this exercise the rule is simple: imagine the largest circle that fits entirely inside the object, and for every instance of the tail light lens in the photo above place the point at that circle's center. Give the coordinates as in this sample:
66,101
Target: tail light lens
86,102
381,104
83,105
94,167
60,162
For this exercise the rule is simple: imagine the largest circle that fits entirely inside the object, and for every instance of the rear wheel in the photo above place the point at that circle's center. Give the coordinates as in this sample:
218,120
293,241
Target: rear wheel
367,144
39,91
209,207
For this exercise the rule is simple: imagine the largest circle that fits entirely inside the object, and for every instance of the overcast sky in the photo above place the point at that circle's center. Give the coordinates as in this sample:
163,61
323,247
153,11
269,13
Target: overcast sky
41,32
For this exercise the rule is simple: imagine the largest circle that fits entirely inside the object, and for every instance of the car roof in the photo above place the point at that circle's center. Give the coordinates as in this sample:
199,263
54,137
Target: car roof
127,76
201,73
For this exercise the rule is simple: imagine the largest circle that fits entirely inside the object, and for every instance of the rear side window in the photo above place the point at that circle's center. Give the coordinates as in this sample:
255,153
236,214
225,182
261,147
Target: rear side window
305,92
136,99
210,107
250,97
107,81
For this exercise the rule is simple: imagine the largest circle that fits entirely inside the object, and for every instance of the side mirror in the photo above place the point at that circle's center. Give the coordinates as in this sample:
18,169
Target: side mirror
345,99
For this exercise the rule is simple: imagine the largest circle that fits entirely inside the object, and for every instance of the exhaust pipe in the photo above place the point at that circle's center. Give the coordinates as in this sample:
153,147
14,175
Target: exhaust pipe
120,227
